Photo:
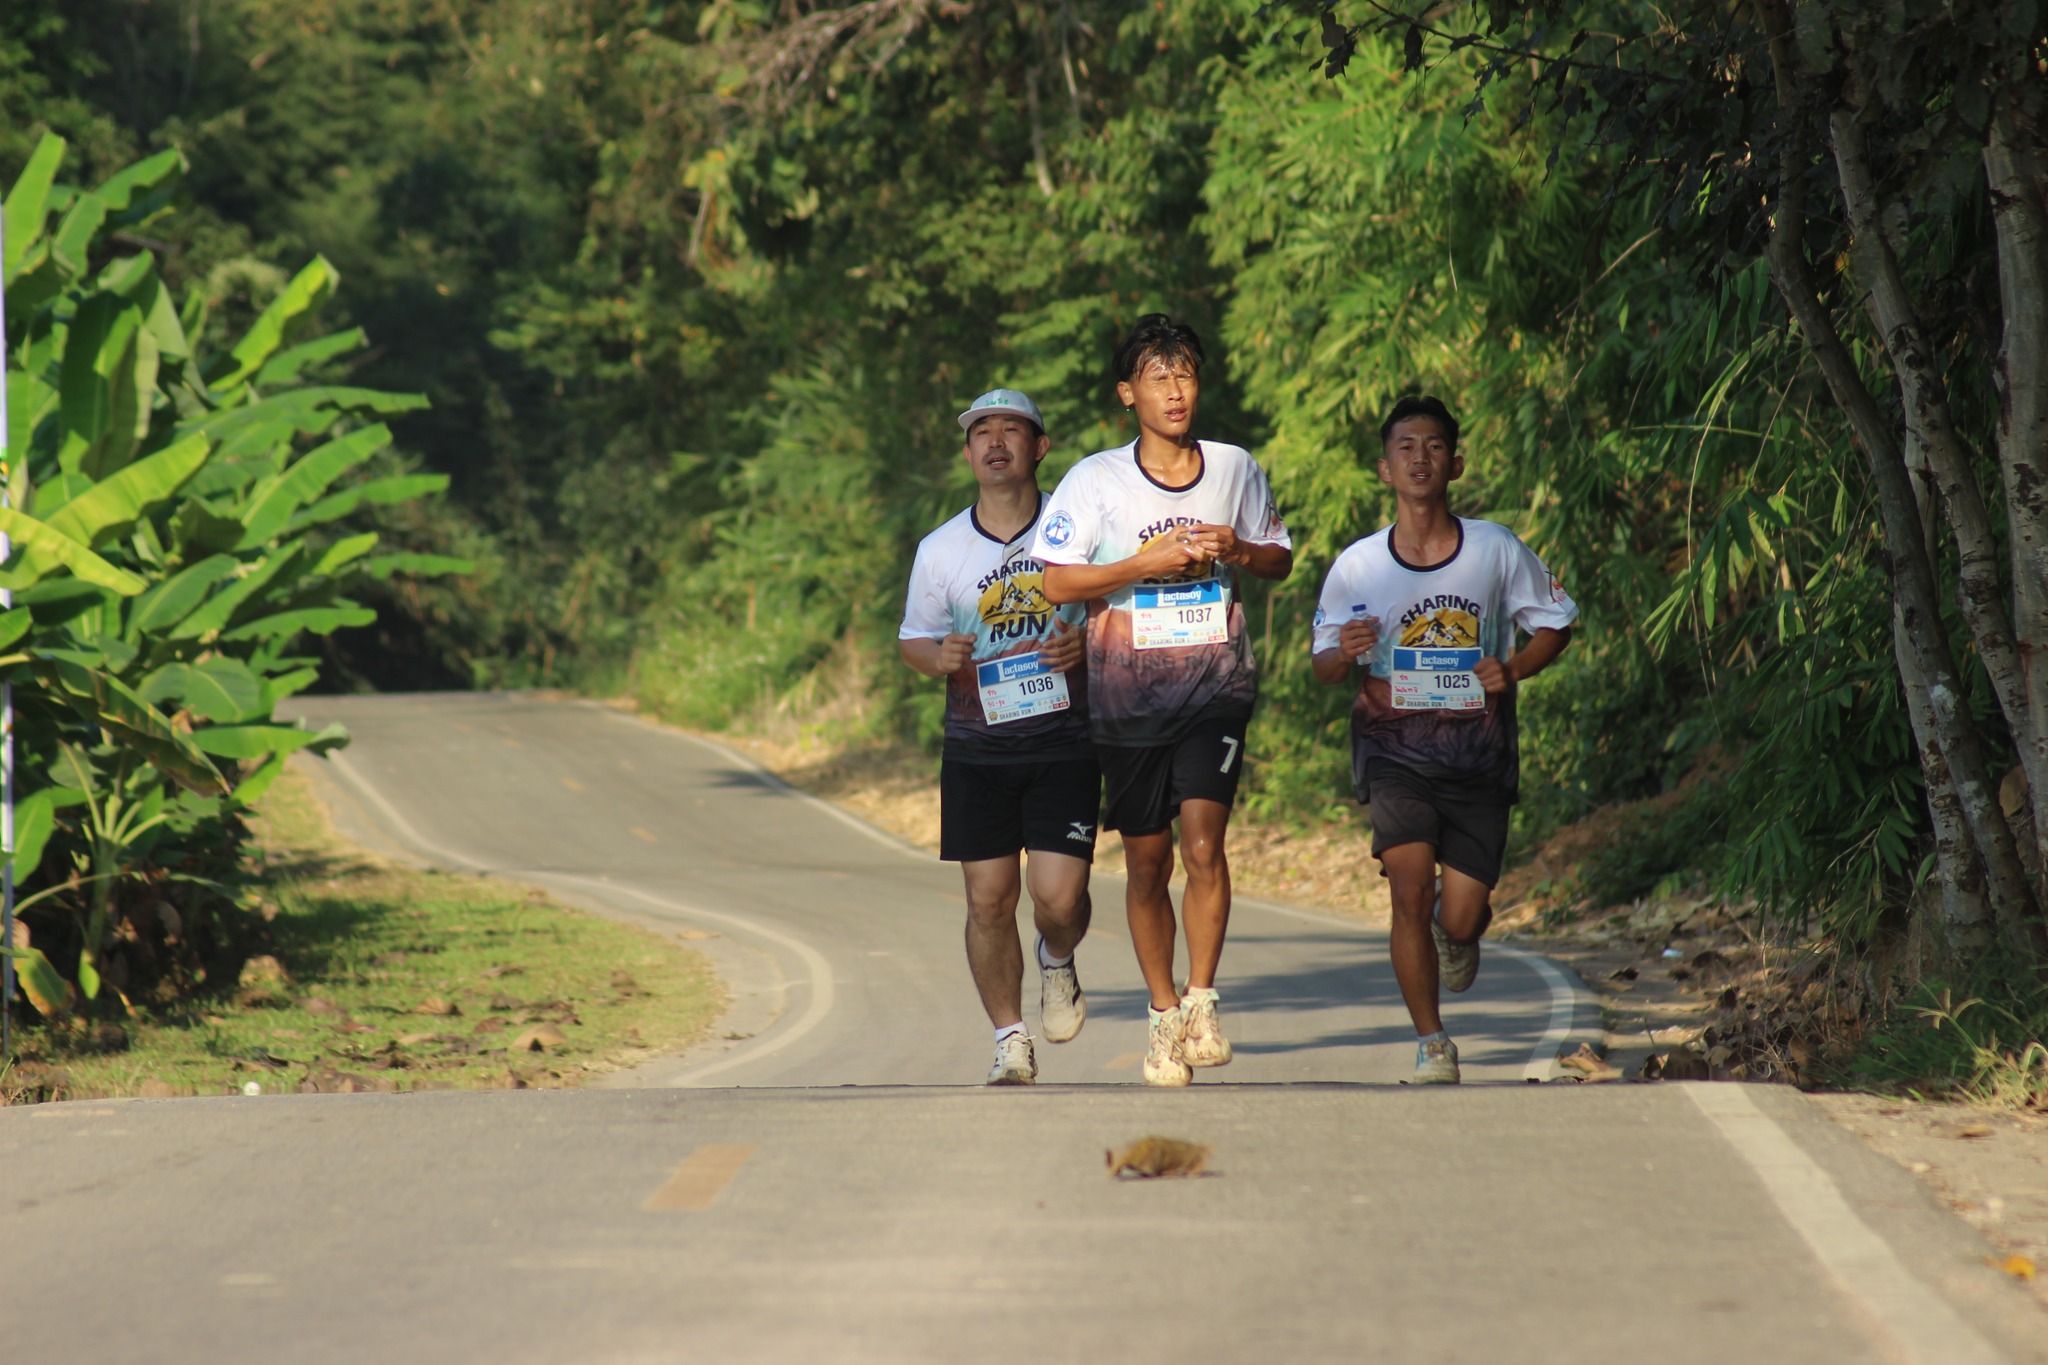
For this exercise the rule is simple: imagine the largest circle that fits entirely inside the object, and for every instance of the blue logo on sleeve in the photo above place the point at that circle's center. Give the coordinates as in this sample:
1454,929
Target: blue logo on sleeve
1059,530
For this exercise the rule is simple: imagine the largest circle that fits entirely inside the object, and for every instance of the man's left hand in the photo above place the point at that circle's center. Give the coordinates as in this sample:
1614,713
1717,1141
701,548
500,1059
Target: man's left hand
1062,650
1495,677
1216,542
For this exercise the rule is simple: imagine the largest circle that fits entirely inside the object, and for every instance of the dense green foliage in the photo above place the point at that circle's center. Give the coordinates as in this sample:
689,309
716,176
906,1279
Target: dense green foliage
695,288
178,508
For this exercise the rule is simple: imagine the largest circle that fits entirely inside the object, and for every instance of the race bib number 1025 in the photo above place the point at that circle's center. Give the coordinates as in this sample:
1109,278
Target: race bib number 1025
1168,614
1020,686
1436,680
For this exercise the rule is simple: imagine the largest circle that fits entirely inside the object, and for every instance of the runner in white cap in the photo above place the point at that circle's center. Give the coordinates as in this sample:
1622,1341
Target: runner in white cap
1156,533
1429,606
1018,772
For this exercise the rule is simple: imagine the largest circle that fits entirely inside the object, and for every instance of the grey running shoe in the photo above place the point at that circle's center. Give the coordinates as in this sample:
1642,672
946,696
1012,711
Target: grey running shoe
1062,1008
1016,1063
1202,1042
1436,1063
1456,963
1163,1062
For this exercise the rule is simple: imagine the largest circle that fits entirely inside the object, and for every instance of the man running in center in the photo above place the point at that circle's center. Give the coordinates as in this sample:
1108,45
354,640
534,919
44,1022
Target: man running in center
1429,606
1151,535
1018,772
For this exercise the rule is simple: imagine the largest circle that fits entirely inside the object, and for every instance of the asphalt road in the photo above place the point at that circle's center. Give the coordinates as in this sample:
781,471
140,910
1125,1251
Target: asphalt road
834,1187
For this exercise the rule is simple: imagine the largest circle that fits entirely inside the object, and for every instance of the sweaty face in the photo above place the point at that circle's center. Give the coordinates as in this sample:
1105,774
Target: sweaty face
1417,458
1163,394
1003,449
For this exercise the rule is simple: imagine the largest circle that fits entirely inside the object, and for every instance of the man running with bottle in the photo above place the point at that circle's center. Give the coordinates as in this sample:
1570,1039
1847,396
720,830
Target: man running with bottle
1430,606
1018,771
1151,535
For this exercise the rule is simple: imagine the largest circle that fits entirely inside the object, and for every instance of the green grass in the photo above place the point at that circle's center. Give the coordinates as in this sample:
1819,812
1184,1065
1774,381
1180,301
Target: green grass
1986,1047
364,944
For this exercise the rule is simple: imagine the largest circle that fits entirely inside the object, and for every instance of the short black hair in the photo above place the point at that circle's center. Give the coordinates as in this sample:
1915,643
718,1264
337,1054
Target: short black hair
1157,337
1421,405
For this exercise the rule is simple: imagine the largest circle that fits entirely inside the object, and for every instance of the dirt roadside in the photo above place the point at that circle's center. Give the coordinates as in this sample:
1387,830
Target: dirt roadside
1663,970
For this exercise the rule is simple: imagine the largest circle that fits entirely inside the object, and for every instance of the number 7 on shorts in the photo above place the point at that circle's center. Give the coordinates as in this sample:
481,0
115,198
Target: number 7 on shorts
1231,756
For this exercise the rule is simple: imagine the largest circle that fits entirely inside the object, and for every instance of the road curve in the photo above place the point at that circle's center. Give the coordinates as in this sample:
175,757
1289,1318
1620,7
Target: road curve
845,945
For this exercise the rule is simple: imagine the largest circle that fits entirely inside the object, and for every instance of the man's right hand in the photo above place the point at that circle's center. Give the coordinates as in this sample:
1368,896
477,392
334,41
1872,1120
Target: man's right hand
1359,637
954,652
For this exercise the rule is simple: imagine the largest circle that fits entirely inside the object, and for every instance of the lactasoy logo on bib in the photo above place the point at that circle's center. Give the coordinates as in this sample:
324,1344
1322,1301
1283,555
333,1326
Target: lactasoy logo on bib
1441,622
1013,604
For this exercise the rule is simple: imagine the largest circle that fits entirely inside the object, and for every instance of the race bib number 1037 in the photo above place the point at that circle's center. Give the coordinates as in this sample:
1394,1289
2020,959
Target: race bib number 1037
1168,614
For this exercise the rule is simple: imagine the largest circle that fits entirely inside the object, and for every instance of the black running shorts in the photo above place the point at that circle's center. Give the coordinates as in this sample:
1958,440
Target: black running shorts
1468,832
991,810
1143,788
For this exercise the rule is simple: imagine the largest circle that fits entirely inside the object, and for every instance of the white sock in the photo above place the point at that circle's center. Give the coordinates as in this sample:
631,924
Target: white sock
1008,1031
1440,1036
1157,1015
1046,959
1201,993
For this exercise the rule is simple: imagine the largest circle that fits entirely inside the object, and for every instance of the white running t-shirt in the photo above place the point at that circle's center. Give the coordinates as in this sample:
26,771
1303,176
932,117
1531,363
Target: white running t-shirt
1419,705
1162,655
1000,708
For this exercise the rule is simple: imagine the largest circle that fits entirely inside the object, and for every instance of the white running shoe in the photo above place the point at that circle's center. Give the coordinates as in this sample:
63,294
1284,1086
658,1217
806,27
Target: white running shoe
1456,963
1436,1063
1202,1042
1062,1008
1016,1063
1163,1063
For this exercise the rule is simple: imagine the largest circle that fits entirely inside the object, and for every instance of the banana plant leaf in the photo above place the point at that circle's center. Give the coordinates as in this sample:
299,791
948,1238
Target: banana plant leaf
259,741
307,290
109,703
286,366
383,566
46,990
272,503
172,600
28,203
225,691
112,505
318,620
44,547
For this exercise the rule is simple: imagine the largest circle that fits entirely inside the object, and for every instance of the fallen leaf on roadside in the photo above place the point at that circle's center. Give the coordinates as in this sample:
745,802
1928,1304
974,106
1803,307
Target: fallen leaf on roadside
154,1089
1972,1130
2019,1267
436,1005
510,969
1588,1065
415,1039
539,1037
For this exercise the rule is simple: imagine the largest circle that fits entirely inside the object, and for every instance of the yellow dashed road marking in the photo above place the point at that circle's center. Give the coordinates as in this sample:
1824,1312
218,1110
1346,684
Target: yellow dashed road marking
703,1174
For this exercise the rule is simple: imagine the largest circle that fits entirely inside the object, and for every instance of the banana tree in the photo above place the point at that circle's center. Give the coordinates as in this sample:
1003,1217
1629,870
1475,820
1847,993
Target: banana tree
187,516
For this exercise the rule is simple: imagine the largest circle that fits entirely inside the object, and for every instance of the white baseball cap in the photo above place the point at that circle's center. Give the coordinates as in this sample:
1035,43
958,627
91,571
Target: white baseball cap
1002,400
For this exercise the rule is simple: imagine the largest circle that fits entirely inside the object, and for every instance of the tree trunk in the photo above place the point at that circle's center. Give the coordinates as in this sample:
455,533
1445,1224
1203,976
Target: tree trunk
1965,916
2019,210
1930,427
1916,601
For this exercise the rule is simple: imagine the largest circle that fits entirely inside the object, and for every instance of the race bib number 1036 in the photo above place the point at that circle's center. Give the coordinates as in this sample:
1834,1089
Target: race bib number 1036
1018,687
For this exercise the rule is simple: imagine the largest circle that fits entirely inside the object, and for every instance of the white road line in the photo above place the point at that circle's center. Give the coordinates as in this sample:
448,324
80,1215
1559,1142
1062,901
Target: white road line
1921,1323
815,965
1564,997
770,780
1564,1000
